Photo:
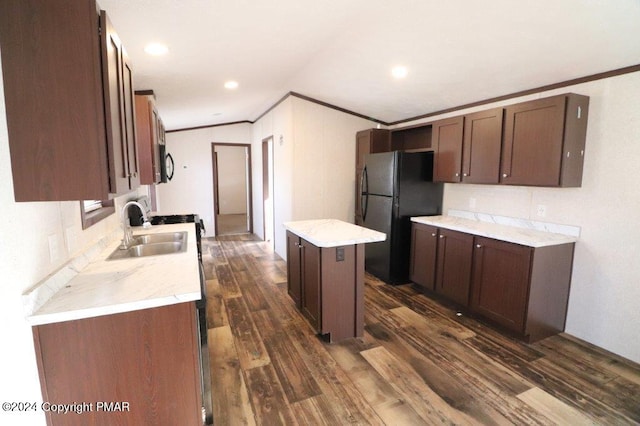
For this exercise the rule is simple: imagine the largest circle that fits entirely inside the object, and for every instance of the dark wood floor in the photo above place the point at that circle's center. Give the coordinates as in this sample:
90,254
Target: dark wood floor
418,362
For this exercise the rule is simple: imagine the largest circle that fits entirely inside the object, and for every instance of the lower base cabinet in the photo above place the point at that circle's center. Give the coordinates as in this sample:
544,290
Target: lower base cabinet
135,368
453,273
327,285
424,246
523,289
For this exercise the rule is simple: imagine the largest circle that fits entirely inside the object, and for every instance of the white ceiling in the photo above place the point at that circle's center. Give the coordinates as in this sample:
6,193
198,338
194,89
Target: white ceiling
341,51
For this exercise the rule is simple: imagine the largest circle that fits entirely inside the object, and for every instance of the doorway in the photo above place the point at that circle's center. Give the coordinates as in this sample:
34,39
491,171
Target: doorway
232,188
267,190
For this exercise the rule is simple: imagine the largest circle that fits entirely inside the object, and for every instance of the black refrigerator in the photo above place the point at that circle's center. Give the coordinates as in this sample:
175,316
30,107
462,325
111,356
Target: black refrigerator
394,187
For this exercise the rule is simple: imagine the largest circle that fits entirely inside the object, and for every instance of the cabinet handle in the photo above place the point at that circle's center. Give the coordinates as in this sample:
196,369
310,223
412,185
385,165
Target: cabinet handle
568,154
457,174
504,175
441,236
433,235
478,245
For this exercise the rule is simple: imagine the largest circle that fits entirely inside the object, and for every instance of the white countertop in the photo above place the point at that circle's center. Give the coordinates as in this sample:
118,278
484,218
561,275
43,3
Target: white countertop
512,234
114,286
333,232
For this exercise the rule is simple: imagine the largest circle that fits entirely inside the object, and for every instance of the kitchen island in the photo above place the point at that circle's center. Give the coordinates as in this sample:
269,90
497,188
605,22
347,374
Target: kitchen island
325,274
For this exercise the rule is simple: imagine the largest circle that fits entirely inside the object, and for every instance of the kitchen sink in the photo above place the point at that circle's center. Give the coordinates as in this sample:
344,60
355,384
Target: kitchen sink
153,245
165,237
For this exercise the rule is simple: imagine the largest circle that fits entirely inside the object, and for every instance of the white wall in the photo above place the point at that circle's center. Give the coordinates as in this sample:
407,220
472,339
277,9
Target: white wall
191,189
277,123
605,290
314,164
25,231
232,179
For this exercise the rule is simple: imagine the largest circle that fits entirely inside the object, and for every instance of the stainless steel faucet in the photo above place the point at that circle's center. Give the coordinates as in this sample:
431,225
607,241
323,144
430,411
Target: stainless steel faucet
127,240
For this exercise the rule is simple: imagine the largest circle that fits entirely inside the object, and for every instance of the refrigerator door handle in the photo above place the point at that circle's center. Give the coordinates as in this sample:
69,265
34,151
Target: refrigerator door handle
364,195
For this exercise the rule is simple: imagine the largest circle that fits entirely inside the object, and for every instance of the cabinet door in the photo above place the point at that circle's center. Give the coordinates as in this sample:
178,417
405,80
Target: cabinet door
447,141
481,147
114,108
453,276
147,140
147,357
53,99
501,273
424,239
532,149
130,122
311,281
294,269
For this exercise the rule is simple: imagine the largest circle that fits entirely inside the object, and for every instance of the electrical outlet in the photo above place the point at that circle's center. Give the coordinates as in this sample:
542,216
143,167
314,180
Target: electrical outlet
541,210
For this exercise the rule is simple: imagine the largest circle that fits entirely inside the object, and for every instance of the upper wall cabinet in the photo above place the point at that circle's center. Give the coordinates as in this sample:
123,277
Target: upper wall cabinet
468,147
447,141
544,141
69,101
481,146
416,138
149,131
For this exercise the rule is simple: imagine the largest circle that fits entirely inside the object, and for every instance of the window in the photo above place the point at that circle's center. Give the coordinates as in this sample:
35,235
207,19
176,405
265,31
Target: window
93,211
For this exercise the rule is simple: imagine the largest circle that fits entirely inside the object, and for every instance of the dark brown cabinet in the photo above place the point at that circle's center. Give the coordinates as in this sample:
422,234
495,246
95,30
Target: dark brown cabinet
441,261
500,279
303,273
294,269
468,147
424,245
453,271
149,133
481,146
415,138
119,105
148,359
311,304
524,289
447,142
368,142
544,141
69,102
521,288
327,285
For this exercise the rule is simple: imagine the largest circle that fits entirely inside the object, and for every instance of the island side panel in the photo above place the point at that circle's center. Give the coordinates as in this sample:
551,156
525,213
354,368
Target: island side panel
339,292
146,358
359,273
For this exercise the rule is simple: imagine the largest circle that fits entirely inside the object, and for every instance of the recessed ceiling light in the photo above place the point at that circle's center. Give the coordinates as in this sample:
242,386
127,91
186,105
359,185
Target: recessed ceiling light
231,85
156,49
399,71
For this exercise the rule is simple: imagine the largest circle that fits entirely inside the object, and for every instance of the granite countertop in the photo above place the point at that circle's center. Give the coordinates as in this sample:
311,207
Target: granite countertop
333,232
105,287
512,234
